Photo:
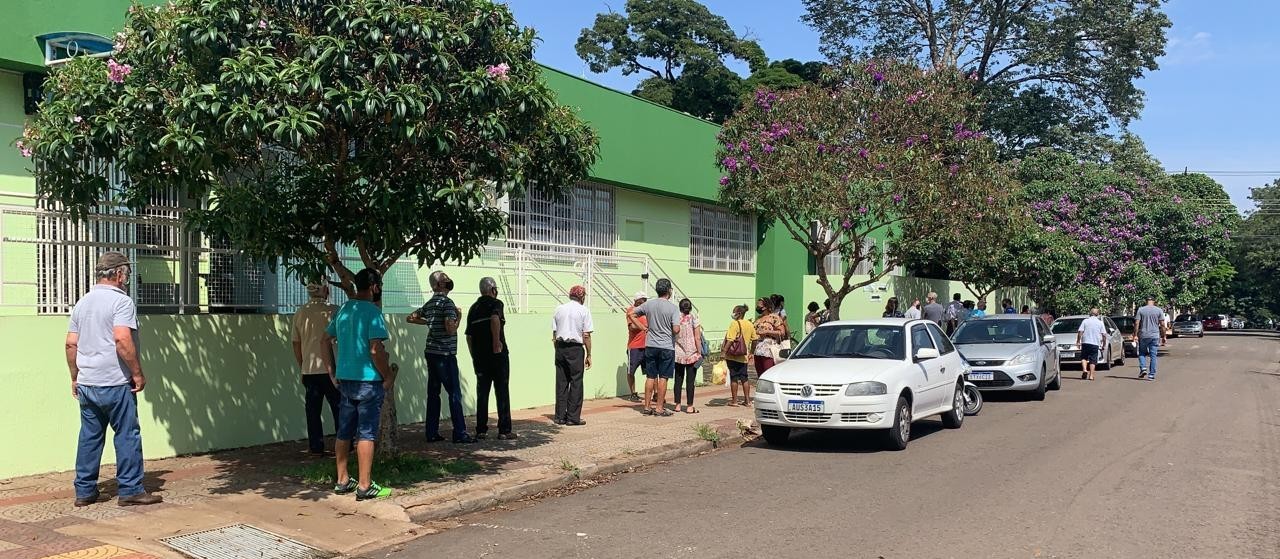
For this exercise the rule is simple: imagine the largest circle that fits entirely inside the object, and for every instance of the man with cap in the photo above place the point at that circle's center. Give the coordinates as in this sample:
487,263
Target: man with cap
442,317
487,342
313,352
1149,331
106,377
636,328
571,335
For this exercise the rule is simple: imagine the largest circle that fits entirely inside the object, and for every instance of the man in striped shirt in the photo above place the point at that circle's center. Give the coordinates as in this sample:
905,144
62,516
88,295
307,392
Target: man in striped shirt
441,317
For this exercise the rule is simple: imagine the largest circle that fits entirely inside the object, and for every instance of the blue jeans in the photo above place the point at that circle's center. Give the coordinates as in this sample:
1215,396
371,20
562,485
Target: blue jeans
442,370
360,412
1147,350
116,406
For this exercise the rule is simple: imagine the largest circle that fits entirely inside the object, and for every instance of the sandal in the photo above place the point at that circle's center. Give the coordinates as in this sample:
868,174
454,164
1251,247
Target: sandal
664,413
648,411
732,403
692,410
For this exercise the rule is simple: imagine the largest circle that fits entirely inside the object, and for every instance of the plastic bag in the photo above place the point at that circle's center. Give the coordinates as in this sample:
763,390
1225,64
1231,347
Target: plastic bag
720,374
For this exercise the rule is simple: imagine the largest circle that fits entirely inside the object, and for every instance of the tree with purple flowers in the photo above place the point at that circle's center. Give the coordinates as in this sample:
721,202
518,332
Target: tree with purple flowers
881,149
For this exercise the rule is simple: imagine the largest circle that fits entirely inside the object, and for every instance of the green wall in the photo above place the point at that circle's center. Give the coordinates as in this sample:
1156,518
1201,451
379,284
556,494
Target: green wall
26,19
862,303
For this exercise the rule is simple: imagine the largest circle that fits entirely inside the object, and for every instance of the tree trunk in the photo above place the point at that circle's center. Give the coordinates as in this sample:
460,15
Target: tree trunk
388,425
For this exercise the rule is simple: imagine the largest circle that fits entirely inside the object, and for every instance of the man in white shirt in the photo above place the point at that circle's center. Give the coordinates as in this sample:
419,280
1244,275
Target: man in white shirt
571,334
1090,337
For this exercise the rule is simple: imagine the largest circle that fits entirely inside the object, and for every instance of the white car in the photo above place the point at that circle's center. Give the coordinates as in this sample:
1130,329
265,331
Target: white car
864,374
1065,331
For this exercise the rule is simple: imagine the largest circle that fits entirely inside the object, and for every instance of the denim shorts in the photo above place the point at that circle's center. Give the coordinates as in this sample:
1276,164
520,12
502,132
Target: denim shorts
659,362
360,411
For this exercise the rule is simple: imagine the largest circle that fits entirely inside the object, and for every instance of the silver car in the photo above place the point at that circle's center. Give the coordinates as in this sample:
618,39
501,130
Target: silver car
1066,330
1009,352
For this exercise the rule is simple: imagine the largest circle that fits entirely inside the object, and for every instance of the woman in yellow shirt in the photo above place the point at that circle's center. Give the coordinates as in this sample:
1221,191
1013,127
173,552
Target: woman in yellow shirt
735,355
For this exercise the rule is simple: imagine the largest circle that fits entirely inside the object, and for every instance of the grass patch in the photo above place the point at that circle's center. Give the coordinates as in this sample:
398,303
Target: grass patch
399,471
570,467
707,433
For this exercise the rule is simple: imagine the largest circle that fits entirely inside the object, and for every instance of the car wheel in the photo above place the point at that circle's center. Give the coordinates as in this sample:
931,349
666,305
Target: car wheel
1120,361
1056,383
776,435
955,418
897,437
1038,393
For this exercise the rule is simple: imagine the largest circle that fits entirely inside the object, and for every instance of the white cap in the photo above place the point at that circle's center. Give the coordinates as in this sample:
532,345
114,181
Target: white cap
640,295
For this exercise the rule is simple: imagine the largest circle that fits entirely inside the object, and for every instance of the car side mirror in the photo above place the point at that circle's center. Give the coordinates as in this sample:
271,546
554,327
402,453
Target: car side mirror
1048,339
784,353
927,353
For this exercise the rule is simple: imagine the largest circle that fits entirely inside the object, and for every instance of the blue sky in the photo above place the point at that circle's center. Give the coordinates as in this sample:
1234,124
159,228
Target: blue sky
1212,105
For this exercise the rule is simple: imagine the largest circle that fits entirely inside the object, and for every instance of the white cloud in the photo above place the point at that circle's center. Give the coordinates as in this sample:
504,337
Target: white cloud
1183,50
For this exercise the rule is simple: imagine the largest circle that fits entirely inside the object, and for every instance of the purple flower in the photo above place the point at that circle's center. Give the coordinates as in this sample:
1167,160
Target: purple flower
77,119
897,198
862,210
863,153
22,148
262,24
877,76
953,169
846,224
767,148
117,72
991,199
724,181
881,166
910,142
498,71
822,148
730,163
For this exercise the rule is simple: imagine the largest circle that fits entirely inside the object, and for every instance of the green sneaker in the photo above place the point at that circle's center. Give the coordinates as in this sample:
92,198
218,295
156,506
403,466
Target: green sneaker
344,488
374,491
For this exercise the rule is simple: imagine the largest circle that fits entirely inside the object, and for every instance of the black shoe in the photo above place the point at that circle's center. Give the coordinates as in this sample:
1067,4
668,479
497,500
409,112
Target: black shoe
575,422
481,435
507,436
558,421
465,439
87,500
139,499
434,438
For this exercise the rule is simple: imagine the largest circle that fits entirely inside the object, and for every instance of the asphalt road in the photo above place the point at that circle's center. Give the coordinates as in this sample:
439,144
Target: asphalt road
1187,466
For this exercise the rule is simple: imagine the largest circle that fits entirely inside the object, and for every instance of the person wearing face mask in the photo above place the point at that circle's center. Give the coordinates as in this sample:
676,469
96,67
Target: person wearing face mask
688,355
441,318
738,339
488,345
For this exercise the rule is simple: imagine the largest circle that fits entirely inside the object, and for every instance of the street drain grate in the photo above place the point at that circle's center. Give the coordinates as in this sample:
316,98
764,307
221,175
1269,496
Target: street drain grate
241,541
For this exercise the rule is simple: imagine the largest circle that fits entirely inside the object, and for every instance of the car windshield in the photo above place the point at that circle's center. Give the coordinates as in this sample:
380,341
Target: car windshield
1185,318
1067,326
861,341
995,332
1124,323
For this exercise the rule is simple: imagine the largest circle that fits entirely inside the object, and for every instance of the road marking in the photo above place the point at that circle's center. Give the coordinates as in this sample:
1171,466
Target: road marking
529,530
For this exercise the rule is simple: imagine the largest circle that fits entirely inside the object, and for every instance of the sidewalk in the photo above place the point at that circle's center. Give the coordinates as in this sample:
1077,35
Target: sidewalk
37,519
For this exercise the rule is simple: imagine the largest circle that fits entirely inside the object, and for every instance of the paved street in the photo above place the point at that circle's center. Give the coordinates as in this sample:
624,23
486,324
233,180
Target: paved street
1187,466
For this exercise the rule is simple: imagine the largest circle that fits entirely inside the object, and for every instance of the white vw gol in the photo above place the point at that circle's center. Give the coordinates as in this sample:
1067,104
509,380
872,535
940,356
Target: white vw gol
864,374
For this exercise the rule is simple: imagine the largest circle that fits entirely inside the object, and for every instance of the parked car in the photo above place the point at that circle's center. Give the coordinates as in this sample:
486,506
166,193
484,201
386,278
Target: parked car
1216,322
1065,331
1010,352
1128,331
879,374
1188,325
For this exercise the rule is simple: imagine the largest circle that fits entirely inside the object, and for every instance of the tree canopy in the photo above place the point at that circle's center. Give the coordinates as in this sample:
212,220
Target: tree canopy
1050,70
384,125
883,150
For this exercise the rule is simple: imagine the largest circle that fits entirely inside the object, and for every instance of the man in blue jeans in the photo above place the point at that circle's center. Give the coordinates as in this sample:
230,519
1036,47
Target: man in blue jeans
106,377
1149,331
441,317
365,375
659,345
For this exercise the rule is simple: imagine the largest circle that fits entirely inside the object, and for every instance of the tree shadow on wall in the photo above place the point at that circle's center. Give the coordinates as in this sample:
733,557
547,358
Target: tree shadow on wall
910,288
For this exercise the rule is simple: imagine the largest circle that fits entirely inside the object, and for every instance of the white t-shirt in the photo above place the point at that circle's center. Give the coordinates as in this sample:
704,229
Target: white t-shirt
1093,330
571,321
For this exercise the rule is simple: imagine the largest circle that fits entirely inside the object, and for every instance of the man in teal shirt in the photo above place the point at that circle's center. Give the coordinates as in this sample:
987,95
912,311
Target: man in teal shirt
364,376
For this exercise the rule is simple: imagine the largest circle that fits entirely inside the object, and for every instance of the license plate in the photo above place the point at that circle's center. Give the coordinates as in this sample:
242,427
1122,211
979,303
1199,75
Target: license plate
982,376
1068,354
804,405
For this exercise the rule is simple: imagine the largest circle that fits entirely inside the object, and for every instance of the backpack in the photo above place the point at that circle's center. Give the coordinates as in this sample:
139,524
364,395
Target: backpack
736,347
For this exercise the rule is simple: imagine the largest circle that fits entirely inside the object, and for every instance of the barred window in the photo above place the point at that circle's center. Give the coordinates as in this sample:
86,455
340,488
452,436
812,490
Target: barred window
582,218
867,265
720,240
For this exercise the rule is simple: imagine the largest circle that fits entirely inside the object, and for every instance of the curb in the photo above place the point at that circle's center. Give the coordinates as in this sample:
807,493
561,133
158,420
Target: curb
476,499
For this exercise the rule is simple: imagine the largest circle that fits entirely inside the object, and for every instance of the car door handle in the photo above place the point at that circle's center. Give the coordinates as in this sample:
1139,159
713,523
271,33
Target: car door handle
944,369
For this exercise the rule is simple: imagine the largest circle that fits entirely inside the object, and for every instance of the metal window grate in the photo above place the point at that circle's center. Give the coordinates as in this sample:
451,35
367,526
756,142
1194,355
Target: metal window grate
867,264
720,240
581,220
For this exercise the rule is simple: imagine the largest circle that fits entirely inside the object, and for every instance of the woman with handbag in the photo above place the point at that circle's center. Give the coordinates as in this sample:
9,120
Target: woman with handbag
738,339
688,355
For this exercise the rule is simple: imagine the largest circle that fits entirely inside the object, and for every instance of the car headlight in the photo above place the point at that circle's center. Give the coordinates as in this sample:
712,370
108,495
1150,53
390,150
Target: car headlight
869,388
1021,359
764,387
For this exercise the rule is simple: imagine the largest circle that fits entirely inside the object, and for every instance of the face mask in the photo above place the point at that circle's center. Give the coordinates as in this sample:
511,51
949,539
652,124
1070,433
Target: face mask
759,310
448,285
377,293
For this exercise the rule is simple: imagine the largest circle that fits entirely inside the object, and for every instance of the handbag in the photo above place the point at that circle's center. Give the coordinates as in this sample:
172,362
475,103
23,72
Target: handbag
736,347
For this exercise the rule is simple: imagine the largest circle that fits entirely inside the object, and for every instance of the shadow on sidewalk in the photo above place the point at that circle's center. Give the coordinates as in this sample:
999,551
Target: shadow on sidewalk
262,470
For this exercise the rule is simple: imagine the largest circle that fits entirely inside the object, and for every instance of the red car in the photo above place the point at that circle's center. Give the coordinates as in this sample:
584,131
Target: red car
1216,322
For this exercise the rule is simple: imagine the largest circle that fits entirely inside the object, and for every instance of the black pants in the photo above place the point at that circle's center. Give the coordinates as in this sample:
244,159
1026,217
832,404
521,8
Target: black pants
570,361
319,389
686,375
493,371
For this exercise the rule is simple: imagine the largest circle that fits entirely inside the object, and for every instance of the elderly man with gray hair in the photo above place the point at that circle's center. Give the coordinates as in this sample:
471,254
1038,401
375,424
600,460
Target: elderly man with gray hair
487,343
106,377
441,317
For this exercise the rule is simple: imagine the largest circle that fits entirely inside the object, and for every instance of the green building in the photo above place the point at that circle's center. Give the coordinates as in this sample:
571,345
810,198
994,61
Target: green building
215,327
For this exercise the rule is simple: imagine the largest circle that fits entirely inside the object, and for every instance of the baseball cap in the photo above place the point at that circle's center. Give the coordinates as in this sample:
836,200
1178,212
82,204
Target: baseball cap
111,260
578,291
640,295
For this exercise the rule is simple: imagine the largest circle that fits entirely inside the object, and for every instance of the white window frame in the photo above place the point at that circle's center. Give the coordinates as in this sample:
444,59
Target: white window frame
582,220
720,240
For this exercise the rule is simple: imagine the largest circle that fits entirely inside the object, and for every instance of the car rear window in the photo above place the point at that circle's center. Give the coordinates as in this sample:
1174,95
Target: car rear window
1185,318
1067,326
1124,323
